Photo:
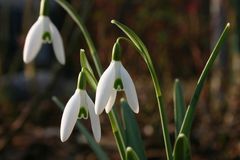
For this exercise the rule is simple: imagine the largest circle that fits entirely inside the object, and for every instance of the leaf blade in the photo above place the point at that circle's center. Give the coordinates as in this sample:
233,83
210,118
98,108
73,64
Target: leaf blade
133,136
179,106
131,154
188,118
182,148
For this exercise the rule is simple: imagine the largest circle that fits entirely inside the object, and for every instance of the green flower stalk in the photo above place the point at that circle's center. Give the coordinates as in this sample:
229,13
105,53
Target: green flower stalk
142,50
44,8
74,15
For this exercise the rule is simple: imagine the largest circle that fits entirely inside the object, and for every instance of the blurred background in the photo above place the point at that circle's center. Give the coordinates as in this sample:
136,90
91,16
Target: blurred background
179,36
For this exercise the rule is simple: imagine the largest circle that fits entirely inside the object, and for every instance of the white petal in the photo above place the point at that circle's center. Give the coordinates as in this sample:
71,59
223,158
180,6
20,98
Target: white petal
95,122
111,101
83,95
33,41
46,23
130,90
117,68
104,88
70,115
57,43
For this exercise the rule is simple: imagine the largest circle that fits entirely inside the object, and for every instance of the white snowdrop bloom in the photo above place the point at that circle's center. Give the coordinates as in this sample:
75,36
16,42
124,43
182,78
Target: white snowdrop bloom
43,31
113,79
78,106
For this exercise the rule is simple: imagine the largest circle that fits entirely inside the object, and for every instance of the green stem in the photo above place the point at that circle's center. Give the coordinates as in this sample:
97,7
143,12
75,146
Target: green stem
117,134
162,111
74,15
142,50
44,8
188,119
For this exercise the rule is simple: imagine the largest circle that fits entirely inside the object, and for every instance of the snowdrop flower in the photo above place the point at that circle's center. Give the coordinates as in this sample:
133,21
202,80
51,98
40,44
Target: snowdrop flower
79,105
113,79
43,31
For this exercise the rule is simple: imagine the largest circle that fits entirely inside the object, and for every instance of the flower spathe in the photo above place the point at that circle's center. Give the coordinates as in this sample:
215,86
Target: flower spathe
70,115
43,31
106,89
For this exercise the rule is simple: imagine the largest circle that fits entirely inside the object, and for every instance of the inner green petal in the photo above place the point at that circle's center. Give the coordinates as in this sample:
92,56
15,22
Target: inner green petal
83,113
118,85
47,37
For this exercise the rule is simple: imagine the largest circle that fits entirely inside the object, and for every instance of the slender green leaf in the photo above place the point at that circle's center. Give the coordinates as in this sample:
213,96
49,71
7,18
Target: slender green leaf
133,136
179,106
131,154
74,15
188,119
142,50
182,148
100,153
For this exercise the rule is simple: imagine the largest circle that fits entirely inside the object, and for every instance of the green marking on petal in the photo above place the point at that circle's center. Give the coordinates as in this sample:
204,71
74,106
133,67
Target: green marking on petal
47,37
83,113
118,85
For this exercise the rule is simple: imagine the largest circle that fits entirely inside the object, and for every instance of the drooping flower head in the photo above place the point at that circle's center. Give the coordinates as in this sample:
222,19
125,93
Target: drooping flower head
113,79
78,107
43,31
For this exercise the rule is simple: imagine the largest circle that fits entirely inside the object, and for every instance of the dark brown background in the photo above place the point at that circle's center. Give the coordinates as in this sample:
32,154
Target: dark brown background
179,36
